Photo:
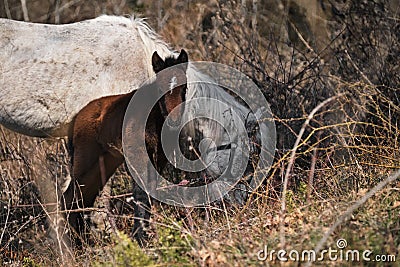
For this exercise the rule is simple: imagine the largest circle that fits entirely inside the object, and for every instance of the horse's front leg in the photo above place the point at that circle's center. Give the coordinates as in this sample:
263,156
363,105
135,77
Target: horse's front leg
142,213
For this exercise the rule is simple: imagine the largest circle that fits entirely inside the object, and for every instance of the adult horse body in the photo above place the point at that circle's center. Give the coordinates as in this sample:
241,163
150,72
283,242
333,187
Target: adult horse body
50,72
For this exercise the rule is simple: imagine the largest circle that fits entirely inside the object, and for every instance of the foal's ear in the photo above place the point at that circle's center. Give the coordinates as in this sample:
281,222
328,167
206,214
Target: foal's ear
157,62
183,57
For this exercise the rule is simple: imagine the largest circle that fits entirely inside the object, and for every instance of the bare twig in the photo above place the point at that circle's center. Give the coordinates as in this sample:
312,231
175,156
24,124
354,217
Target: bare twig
58,227
7,8
57,12
303,40
25,10
106,193
345,215
8,214
358,69
254,17
159,14
310,185
291,162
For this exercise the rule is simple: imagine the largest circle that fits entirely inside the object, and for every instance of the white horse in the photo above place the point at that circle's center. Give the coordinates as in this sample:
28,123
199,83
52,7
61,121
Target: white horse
49,72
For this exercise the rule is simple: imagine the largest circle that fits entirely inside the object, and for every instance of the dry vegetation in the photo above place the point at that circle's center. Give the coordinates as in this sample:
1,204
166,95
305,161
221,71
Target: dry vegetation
349,144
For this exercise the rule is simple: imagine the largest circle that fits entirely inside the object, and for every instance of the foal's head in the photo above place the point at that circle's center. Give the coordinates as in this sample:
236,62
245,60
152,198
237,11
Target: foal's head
173,79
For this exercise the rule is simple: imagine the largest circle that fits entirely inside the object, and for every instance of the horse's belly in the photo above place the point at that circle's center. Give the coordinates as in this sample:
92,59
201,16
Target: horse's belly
48,73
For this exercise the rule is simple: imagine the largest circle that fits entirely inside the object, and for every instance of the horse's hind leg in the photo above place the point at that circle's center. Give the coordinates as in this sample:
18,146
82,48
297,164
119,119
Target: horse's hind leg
50,183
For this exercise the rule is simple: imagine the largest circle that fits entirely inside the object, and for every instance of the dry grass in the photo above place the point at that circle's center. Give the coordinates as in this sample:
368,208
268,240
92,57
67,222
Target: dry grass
324,163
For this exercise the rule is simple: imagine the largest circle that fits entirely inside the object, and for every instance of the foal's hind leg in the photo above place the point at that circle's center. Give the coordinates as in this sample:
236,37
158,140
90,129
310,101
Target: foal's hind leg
84,156
88,181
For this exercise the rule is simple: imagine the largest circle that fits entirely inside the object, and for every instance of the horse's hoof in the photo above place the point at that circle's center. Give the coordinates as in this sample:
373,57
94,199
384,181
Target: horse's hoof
140,235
